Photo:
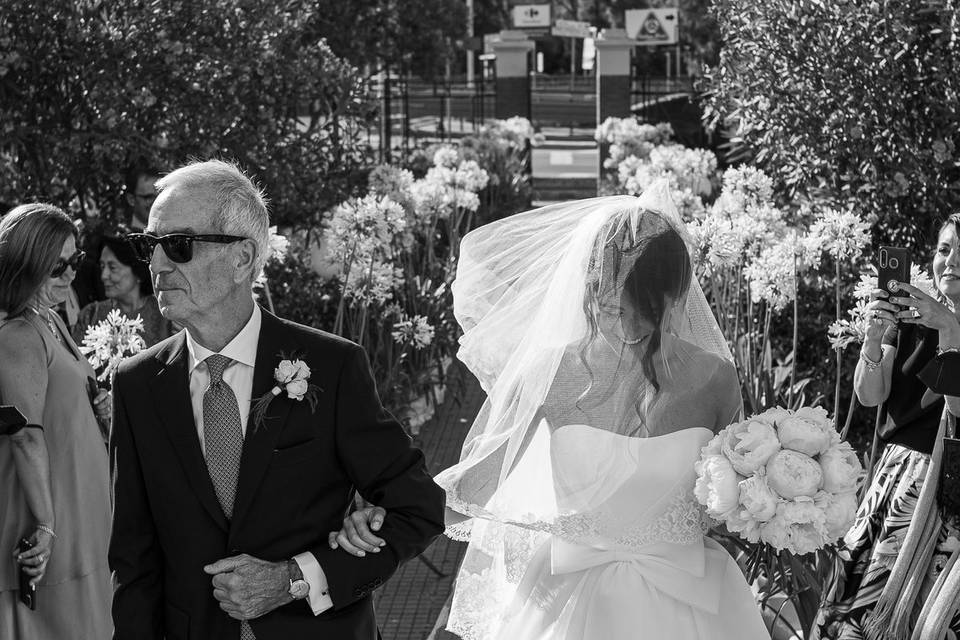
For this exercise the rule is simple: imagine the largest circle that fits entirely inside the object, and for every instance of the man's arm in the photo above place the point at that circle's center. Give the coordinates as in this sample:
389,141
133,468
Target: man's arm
135,556
389,472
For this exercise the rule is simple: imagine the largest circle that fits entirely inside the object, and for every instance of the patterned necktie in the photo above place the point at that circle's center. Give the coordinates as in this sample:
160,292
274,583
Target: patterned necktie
223,443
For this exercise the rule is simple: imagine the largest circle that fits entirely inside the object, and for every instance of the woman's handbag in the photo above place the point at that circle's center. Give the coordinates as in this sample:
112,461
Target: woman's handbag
948,489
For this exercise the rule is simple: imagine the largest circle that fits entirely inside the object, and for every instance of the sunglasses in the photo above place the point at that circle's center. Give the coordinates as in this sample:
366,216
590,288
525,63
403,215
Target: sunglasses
73,262
177,246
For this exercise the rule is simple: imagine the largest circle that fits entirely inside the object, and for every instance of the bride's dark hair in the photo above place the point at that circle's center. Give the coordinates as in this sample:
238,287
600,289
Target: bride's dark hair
648,269
658,278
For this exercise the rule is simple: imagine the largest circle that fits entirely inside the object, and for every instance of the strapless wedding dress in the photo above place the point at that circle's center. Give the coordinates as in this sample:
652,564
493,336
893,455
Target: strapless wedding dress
629,562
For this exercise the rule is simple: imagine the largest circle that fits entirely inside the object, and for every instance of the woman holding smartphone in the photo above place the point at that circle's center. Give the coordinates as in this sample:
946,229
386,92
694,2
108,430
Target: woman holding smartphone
54,477
908,354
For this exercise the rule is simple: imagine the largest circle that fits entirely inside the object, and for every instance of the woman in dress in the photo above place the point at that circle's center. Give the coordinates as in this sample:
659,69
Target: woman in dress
126,283
606,373
907,357
65,511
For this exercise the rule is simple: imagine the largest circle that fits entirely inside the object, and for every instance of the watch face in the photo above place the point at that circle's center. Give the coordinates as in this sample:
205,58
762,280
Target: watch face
299,589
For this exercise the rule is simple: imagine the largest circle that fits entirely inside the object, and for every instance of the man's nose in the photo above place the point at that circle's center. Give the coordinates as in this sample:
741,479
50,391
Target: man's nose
159,262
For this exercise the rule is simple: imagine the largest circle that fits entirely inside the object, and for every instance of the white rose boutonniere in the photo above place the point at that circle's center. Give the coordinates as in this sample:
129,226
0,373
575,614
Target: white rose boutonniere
293,377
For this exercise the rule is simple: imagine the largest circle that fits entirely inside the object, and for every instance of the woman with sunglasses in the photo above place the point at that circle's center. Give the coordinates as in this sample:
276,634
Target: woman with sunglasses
54,479
126,283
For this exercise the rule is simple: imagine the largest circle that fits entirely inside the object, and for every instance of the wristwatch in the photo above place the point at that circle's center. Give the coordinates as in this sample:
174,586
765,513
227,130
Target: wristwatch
299,588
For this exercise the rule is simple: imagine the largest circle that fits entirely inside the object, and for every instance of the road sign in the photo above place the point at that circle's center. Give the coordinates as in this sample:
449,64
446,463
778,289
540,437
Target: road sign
652,26
531,16
572,29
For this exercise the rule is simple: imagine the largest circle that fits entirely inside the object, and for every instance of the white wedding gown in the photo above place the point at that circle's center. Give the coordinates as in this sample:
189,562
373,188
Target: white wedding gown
631,563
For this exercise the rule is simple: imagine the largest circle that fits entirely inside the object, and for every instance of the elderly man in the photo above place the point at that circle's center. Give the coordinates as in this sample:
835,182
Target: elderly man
232,460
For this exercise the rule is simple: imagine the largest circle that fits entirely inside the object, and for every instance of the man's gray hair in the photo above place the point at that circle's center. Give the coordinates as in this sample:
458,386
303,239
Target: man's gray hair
242,206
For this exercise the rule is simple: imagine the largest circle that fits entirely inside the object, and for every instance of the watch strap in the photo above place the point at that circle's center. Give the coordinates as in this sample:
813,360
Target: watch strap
294,568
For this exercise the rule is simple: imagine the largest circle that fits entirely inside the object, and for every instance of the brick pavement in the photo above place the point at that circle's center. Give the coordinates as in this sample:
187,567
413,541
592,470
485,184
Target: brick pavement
411,601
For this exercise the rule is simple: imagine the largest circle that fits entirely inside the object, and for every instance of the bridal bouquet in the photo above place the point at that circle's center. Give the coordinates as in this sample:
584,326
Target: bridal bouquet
111,340
782,478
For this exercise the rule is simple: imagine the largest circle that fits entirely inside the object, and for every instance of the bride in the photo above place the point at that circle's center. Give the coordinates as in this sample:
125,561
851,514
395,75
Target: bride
605,374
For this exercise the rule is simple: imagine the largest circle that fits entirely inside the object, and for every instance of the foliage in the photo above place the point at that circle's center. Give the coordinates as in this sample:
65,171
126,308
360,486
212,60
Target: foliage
86,87
852,101
380,271
418,35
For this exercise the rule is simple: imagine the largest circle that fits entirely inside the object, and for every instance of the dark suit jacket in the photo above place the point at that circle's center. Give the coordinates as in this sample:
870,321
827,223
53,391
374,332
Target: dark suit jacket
298,475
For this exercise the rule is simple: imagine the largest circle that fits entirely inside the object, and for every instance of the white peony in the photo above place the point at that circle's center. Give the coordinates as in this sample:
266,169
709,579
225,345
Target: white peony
841,468
774,416
749,445
792,474
839,511
809,430
717,487
799,527
757,498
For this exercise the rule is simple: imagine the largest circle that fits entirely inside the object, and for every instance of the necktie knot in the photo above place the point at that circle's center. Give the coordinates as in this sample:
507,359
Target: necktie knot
216,364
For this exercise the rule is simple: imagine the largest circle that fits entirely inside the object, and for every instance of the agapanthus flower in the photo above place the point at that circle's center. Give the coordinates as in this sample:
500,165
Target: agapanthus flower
842,234
111,340
391,182
371,280
416,331
772,274
446,156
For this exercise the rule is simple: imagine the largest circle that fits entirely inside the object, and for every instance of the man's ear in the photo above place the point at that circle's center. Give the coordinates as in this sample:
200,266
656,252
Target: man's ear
246,256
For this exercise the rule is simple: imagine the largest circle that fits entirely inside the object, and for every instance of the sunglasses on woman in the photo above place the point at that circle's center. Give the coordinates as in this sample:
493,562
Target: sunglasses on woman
177,246
73,262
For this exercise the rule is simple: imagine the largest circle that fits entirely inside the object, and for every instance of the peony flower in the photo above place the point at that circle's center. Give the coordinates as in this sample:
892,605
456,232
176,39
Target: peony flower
749,444
748,528
774,416
839,510
757,498
808,431
717,487
792,474
799,526
841,468
303,371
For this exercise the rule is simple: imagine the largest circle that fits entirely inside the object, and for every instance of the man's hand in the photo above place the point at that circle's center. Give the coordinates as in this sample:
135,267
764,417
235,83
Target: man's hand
247,587
357,537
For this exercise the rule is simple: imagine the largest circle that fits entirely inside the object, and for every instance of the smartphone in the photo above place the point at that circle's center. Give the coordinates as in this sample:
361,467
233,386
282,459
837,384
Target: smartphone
893,265
11,420
28,592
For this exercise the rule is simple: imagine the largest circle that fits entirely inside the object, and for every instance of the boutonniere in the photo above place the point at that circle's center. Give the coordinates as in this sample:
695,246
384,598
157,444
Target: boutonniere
293,377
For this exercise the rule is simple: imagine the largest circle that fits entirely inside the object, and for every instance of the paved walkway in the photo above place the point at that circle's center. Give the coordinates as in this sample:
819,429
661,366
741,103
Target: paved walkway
411,601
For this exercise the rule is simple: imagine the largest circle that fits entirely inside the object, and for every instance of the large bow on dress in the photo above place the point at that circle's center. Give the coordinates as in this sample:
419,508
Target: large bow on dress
676,570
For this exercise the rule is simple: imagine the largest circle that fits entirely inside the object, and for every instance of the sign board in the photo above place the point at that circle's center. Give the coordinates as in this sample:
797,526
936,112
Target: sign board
652,26
572,29
531,16
488,41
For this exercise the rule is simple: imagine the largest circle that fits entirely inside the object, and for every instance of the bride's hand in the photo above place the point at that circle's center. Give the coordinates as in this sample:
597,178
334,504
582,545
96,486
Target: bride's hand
357,535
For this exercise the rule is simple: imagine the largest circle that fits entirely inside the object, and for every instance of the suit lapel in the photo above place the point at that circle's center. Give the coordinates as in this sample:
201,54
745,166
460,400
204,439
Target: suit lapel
173,405
260,441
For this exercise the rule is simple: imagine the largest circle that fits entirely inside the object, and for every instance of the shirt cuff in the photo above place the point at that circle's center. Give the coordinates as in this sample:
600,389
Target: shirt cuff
319,596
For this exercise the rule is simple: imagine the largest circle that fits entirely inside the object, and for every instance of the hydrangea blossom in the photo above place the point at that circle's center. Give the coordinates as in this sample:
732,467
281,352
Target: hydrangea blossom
416,331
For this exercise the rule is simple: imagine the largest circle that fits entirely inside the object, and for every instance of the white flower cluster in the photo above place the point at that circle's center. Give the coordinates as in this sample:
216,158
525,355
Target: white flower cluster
783,478
111,340
628,138
842,234
416,331
451,184
843,333
391,182
773,273
363,235
515,131
687,170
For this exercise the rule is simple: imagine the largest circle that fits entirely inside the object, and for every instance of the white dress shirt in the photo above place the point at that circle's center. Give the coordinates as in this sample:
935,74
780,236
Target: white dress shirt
238,375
